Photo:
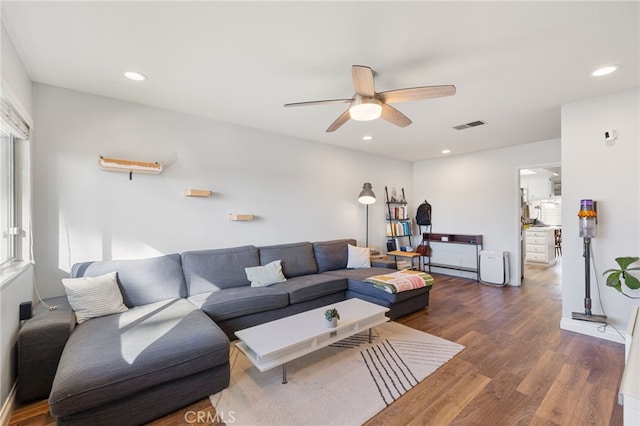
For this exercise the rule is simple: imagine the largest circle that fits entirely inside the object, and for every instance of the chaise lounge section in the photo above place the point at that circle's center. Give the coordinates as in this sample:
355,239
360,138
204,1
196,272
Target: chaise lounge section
160,355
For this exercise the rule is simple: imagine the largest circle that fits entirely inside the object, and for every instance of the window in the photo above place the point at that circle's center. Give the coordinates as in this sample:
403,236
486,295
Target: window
14,134
8,224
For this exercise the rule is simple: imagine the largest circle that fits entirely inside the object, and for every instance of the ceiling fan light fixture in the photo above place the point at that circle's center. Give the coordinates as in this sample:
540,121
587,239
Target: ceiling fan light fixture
367,104
365,109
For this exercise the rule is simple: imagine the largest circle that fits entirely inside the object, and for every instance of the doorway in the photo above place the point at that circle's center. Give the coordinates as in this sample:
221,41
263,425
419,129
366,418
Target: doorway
540,198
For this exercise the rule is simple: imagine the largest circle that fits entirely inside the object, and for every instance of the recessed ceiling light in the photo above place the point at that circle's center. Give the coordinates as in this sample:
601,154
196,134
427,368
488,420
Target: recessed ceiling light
605,70
446,151
367,138
136,76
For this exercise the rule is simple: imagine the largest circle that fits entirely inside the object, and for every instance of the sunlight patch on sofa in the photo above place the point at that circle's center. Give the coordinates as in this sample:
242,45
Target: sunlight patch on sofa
144,325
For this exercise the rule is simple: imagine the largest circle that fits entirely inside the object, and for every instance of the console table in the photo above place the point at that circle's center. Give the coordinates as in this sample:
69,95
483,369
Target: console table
474,240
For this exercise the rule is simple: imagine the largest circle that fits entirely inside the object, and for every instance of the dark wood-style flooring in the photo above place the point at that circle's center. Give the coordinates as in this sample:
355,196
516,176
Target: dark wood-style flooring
518,367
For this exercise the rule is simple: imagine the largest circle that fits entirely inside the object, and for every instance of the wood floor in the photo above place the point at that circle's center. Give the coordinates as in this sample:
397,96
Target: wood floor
518,367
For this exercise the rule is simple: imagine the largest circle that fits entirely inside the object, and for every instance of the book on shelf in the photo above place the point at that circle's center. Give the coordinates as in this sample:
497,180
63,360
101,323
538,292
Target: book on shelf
399,229
398,213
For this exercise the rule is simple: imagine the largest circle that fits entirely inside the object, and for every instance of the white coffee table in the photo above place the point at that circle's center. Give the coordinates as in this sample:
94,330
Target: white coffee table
277,342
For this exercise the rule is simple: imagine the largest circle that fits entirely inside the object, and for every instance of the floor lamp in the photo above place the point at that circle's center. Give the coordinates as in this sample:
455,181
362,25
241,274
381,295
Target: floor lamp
367,197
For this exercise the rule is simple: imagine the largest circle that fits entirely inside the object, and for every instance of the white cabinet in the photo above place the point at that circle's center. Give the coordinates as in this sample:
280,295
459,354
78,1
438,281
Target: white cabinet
629,394
540,246
537,188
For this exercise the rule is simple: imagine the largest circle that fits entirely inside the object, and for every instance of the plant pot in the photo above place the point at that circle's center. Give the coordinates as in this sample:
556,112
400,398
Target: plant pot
332,323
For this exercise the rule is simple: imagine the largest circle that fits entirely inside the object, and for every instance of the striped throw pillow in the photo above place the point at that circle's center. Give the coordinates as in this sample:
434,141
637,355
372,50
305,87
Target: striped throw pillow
92,297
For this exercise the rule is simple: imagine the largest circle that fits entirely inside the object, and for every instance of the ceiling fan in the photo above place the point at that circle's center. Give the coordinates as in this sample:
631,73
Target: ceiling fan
367,104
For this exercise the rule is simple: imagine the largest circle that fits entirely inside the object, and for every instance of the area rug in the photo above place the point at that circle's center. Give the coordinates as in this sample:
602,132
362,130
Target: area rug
343,384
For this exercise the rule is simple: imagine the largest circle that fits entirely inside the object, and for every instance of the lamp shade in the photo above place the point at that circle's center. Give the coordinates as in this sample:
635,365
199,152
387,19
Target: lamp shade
366,195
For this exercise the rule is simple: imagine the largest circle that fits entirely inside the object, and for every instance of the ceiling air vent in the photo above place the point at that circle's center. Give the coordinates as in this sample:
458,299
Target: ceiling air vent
469,125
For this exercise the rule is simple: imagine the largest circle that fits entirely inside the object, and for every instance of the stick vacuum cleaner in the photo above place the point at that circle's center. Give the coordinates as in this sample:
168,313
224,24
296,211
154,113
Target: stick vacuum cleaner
587,225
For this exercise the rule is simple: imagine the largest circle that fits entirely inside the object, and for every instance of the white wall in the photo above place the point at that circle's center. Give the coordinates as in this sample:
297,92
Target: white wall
17,88
479,194
298,190
607,172
16,83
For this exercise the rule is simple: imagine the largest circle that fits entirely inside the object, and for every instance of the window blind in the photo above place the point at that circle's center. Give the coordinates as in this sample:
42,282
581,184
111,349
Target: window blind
12,117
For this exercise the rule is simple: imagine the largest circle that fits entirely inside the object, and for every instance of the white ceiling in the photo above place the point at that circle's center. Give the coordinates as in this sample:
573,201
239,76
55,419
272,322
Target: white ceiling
513,63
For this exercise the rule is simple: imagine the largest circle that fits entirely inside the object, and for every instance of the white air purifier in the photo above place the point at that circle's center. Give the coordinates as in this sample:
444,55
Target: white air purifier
494,267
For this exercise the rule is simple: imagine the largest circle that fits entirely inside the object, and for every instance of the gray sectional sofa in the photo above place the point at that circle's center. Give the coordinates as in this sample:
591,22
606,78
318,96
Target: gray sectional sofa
171,348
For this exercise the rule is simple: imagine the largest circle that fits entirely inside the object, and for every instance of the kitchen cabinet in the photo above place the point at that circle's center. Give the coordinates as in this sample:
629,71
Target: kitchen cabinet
539,188
540,246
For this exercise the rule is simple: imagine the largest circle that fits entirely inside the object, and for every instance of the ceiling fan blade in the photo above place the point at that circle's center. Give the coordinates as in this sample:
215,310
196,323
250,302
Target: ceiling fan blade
328,101
394,116
344,117
416,93
363,80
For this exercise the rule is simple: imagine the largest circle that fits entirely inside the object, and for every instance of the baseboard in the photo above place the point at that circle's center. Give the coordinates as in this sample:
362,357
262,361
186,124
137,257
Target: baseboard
8,406
591,329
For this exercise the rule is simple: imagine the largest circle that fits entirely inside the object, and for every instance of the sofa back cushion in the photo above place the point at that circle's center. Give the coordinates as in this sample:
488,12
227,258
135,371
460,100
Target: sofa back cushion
216,269
142,281
332,255
297,258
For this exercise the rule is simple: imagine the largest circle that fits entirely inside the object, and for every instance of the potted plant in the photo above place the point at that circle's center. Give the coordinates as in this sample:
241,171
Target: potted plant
616,277
331,316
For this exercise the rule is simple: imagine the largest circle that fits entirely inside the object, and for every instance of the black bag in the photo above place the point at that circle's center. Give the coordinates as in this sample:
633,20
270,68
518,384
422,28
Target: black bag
423,216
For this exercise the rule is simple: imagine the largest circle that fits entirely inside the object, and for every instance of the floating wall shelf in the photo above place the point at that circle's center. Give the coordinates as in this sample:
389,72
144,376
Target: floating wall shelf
117,165
240,216
197,193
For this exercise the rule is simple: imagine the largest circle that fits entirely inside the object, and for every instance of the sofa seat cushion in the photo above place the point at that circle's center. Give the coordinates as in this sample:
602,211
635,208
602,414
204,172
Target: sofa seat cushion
112,357
309,287
356,284
239,301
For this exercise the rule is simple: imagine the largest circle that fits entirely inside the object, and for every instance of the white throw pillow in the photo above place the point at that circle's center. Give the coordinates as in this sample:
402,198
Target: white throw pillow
92,297
262,276
358,257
